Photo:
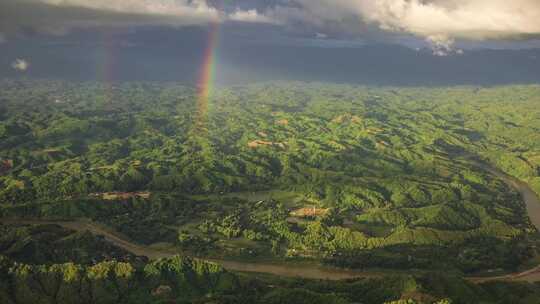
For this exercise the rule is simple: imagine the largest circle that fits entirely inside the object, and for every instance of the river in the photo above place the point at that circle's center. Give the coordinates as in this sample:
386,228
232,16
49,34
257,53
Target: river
532,203
293,270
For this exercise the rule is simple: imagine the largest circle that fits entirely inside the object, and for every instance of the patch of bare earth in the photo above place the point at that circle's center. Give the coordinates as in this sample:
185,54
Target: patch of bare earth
261,143
309,212
282,122
112,196
347,117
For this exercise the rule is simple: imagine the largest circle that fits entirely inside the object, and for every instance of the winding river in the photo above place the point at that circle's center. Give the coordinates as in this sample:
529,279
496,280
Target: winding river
292,270
282,269
532,202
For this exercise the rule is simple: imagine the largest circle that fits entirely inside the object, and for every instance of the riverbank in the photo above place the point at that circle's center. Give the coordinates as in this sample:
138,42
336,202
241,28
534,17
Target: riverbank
300,271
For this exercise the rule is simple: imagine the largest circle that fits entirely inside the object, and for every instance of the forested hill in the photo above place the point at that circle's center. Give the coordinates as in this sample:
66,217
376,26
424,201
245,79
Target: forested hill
348,176
113,282
183,280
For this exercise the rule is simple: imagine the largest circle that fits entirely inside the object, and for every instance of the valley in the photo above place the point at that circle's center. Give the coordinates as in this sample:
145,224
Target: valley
279,182
287,269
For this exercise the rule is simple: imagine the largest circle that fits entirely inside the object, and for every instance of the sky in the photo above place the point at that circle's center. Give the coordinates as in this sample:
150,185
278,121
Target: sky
267,39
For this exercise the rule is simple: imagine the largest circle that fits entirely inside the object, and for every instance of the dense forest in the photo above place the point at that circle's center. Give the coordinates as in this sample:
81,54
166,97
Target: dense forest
349,176
185,280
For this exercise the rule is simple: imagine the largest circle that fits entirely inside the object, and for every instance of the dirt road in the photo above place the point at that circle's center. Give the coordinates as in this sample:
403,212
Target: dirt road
286,270
290,270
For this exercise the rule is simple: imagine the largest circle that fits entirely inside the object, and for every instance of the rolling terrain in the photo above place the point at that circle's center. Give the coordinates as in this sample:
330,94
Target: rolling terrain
300,180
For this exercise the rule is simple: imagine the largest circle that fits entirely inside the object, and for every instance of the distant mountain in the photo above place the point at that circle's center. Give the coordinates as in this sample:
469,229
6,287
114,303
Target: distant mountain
384,65
168,56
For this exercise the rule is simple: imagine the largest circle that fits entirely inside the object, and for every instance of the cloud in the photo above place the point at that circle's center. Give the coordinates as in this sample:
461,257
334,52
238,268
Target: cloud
251,16
311,13
2,38
20,65
61,16
440,22
180,8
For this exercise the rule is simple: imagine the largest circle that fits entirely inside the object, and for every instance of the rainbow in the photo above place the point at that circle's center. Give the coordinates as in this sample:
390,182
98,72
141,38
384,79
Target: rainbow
105,70
205,82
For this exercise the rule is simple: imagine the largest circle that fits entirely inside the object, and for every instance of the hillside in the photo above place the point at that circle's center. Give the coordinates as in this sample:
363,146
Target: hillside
366,178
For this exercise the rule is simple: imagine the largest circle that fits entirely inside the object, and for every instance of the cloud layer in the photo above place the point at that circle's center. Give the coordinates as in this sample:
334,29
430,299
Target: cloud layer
441,22
159,7
438,21
61,16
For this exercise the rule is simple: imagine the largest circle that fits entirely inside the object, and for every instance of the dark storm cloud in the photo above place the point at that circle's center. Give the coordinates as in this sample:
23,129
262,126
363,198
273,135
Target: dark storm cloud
61,16
439,22
58,17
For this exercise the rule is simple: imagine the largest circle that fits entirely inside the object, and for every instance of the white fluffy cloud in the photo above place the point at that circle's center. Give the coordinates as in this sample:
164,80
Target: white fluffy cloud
20,65
440,22
251,16
443,21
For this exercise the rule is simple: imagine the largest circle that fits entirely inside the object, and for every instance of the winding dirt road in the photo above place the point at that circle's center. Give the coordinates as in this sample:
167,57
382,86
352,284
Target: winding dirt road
290,270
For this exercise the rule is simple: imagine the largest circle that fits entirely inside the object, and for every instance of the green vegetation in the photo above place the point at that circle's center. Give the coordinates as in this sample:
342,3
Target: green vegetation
357,177
184,280
42,244
113,282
